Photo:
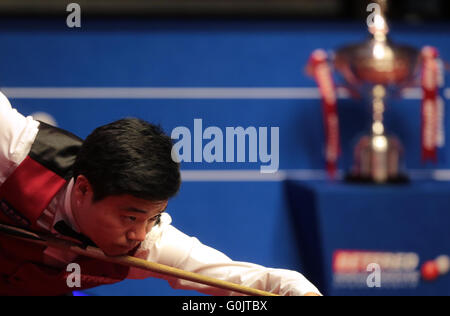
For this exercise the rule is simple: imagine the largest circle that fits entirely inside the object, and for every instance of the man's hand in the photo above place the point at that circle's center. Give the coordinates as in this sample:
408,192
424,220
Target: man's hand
312,294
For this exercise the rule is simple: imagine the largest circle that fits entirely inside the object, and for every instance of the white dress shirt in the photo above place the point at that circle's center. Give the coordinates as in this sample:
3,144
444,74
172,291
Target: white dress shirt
163,244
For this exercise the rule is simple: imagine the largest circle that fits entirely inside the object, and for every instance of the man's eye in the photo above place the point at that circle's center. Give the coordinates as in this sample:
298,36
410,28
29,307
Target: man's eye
131,218
155,218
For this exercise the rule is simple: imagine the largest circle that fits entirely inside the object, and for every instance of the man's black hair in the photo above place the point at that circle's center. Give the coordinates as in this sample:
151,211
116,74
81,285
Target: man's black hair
129,156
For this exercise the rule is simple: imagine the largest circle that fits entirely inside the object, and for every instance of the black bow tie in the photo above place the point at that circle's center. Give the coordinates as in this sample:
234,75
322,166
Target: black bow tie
64,229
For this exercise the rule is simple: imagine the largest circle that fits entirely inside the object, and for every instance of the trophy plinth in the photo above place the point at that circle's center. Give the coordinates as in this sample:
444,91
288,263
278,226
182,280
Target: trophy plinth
373,68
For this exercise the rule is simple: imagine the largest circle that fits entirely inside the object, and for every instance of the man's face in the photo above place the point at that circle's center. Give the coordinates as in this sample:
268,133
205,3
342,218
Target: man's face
116,224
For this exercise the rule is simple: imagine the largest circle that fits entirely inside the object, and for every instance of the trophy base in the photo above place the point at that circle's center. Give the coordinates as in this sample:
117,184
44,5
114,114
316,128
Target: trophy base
377,160
359,179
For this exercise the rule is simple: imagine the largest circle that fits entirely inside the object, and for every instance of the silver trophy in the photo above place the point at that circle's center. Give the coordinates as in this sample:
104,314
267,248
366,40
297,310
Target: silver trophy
375,68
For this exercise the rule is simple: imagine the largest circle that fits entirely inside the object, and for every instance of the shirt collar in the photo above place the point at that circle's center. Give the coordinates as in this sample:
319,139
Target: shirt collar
67,212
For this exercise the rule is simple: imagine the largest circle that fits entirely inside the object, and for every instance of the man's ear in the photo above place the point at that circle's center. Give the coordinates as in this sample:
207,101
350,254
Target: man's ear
83,188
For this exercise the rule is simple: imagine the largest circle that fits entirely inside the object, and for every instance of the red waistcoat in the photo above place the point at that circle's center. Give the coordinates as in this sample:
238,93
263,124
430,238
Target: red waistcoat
24,196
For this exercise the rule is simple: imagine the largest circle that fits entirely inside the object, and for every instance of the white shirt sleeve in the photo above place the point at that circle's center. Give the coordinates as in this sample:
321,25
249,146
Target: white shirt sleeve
168,246
17,134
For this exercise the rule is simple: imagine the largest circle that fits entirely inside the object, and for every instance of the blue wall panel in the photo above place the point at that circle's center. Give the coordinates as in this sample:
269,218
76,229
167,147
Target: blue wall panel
247,220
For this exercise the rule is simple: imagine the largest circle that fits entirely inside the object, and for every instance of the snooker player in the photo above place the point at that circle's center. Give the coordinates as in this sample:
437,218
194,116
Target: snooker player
109,191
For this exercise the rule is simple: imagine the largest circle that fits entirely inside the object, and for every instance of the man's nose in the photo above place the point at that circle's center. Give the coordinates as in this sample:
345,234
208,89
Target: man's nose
138,233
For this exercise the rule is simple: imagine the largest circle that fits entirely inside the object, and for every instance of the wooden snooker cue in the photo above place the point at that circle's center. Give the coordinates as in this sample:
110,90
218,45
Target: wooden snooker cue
96,253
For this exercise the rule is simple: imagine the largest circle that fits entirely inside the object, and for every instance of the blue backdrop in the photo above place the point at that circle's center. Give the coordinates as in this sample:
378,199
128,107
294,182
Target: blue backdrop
247,219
